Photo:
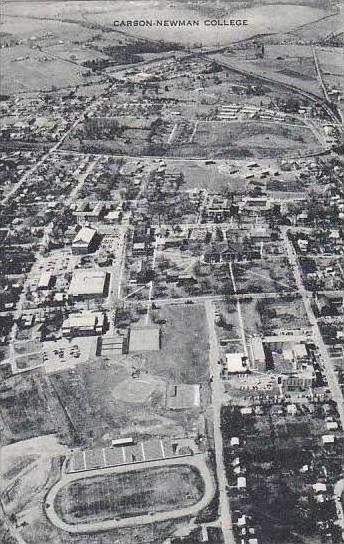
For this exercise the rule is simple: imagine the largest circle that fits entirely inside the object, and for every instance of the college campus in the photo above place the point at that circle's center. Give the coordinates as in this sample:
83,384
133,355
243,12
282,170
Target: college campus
172,272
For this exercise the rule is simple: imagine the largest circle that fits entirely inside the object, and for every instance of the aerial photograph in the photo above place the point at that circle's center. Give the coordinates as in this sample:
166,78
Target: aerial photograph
172,272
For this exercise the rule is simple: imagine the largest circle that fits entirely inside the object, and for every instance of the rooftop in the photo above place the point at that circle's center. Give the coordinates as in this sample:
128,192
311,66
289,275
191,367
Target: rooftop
236,362
85,320
87,282
84,236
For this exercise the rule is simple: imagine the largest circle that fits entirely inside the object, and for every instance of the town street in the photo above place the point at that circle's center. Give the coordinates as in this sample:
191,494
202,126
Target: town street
217,398
332,380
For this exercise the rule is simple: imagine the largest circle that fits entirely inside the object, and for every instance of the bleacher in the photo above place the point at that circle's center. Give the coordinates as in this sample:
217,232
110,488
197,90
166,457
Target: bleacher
150,450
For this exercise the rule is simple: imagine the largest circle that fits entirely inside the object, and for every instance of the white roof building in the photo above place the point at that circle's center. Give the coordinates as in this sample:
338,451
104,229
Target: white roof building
44,281
85,236
319,487
87,283
235,363
241,482
87,323
328,439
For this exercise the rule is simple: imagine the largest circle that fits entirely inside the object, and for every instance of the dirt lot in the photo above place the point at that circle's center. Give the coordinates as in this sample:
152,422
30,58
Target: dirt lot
129,494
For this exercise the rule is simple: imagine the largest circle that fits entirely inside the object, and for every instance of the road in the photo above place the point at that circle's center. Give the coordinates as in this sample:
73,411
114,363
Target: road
209,298
241,321
333,384
217,399
319,74
150,294
197,461
46,156
12,529
338,493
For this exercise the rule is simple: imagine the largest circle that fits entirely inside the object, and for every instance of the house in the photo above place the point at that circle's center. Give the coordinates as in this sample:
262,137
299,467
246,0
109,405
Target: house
171,276
218,208
84,242
260,234
291,409
241,482
221,253
328,439
139,249
114,217
246,411
186,279
173,242
331,425
140,272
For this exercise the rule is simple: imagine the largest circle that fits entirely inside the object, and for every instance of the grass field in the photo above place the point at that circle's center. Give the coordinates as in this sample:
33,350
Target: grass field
184,348
133,493
215,140
25,409
222,137
268,276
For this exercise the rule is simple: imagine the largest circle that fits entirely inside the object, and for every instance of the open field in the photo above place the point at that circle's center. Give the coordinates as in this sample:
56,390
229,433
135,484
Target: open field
250,138
103,400
26,69
212,177
25,408
203,139
184,345
268,276
130,494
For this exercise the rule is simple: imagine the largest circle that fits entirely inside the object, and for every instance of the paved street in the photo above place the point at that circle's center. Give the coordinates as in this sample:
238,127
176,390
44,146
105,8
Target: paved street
217,399
307,300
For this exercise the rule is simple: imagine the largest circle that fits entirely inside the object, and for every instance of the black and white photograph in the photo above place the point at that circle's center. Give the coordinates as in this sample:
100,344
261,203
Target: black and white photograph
171,272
